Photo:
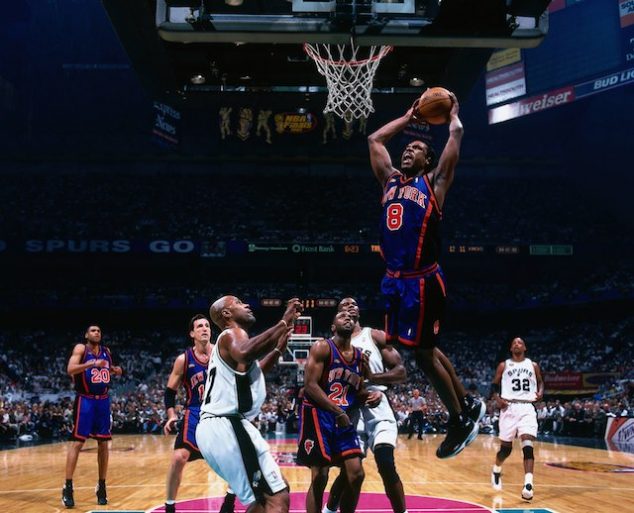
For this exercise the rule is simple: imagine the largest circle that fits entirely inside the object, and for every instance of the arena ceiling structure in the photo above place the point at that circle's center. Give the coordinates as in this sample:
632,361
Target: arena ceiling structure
196,48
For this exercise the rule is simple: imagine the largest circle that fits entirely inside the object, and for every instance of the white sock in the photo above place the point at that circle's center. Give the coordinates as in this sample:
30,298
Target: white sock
170,502
497,469
326,510
528,478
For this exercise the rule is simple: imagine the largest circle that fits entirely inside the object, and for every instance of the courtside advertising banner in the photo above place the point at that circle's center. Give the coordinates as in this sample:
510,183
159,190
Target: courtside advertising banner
619,433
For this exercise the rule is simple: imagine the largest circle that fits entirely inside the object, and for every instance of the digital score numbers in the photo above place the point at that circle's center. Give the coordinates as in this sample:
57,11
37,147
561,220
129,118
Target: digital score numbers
308,303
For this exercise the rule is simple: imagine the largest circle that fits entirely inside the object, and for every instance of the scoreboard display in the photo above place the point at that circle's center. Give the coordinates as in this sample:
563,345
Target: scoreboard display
303,327
589,49
583,41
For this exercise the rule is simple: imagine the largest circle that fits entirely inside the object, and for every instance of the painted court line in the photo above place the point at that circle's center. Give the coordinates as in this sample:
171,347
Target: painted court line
416,483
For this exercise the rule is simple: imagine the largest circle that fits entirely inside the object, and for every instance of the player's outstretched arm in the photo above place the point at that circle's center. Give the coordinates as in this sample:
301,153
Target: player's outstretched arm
237,346
379,156
268,362
442,176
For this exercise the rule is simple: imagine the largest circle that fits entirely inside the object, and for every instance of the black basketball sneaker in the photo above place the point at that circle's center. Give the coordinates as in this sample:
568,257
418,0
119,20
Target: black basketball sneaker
496,480
102,495
460,433
67,497
474,408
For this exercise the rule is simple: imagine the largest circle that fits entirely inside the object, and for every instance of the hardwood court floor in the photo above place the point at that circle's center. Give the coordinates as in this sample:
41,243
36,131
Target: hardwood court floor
31,478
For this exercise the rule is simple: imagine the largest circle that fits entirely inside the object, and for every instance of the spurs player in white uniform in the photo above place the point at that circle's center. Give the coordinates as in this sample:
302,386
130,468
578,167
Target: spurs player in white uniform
234,393
521,385
377,428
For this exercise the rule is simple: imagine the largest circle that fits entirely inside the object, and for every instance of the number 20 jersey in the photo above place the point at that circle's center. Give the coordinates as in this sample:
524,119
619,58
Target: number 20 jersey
94,380
229,392
409,231
519,382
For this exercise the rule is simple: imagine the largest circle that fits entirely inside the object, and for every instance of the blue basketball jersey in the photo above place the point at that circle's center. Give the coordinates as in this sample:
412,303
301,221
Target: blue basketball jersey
194,379
341,378
410,238
94,380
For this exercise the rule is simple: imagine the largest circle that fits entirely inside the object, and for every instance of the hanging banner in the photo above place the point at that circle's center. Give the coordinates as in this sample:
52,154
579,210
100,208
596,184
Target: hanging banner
503,58
618,79
532,105
295,122
505,83
166,126
626,12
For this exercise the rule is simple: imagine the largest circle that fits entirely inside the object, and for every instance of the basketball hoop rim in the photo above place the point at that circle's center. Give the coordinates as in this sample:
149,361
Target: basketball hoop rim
308,48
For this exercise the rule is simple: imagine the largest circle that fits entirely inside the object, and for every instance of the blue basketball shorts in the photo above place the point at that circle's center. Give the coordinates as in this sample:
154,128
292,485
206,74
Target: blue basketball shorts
414,307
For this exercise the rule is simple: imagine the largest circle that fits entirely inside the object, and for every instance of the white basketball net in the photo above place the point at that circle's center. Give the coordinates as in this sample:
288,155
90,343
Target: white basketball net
349,77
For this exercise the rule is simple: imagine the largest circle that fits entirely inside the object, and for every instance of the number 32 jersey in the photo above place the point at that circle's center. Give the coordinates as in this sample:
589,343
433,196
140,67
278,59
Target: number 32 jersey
518,381
229,392
410,237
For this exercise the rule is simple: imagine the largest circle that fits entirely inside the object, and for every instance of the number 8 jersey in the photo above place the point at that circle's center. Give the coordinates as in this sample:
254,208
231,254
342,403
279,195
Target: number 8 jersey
410,237
229,392
518,381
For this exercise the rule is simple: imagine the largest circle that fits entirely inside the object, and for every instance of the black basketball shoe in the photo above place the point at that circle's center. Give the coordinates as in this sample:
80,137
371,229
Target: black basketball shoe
496,480
170,508
228,506
474,408
460,433
67,497
102,495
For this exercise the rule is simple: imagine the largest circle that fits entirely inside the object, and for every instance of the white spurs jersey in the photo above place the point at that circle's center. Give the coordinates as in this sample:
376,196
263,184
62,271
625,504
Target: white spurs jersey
229,392
519,382
365,342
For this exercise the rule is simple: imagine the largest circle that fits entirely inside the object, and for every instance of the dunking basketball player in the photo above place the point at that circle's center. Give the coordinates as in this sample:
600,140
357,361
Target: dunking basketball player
333,386
521,386
90,366
189,370
376,427
414,285
234,393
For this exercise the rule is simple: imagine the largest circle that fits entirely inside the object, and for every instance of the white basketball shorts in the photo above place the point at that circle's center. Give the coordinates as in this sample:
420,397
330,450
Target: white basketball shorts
377,426
518,419
236,451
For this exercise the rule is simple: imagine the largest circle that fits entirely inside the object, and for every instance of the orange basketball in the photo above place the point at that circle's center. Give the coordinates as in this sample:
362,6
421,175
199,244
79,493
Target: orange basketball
434,106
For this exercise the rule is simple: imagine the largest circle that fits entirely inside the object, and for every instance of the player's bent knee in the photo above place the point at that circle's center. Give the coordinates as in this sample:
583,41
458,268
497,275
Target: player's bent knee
527,449
505,451
356,477
384,457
